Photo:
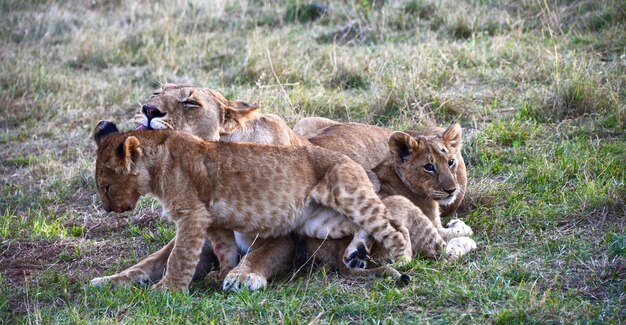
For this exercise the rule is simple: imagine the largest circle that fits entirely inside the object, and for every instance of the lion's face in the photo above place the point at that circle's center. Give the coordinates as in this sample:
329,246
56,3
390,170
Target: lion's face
200,111
120,178
427,165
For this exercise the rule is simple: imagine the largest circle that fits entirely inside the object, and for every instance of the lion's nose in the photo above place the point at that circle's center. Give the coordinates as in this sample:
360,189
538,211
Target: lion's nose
151,111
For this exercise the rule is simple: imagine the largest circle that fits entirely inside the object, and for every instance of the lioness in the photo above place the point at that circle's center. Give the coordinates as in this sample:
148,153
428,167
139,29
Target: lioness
209,115
212,188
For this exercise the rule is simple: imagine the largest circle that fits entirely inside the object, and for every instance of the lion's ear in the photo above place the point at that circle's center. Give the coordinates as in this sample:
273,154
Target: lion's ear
129,152
243,106
167,86
236,116
452,137
102,130
402,145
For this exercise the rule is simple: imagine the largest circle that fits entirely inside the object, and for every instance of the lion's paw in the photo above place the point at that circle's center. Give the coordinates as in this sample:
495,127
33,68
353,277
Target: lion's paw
125,278
159,286
459,246
166,286
355,256
459,228
100,282
237,280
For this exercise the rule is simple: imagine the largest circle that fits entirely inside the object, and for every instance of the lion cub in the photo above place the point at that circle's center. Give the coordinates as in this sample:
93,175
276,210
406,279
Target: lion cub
212,188
420,174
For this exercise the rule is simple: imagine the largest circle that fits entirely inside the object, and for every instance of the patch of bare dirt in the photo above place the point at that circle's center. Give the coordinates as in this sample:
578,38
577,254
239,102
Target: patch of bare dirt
25,261
80,258
104,226
23,264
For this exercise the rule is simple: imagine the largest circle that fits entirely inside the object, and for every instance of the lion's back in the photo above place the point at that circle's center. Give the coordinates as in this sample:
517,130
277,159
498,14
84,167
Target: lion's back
365,144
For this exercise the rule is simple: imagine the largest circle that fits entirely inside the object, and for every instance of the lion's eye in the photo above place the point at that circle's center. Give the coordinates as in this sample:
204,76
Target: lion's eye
191,103
107,189
451,163
429,168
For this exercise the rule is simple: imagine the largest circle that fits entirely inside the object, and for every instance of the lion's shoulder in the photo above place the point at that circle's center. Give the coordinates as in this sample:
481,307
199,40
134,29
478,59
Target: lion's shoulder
266,129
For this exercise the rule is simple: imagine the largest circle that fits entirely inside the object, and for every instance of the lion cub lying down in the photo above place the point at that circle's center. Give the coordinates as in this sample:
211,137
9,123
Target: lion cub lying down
212,188
419,174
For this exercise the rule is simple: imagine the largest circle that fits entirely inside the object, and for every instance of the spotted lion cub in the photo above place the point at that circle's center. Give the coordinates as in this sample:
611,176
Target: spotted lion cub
422,171
212,188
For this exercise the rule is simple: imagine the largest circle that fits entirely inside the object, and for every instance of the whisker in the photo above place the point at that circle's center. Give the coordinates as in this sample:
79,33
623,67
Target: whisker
167,124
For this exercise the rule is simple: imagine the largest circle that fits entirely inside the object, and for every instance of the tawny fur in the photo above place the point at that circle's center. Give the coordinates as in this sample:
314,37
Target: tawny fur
308,126
206,187
208,114
349,139
402,175
363,143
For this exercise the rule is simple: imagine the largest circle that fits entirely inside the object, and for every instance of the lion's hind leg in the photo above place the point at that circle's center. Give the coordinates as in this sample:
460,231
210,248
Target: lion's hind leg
309,126
424,235
325,223
225,248
426,238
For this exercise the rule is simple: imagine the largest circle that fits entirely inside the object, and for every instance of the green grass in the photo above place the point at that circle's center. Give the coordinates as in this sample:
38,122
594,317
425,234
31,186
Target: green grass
537,85
34,225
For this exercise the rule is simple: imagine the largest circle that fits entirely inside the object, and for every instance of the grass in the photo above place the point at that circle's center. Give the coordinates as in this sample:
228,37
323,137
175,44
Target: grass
537,85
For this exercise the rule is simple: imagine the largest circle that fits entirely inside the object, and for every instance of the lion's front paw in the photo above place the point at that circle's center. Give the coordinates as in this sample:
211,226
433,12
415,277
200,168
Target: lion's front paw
159,286
355,256
459,228
124,278
100,282
237,280
168,286
459,246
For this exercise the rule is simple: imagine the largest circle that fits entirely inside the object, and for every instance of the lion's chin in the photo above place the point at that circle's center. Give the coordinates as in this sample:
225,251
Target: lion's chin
447,201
